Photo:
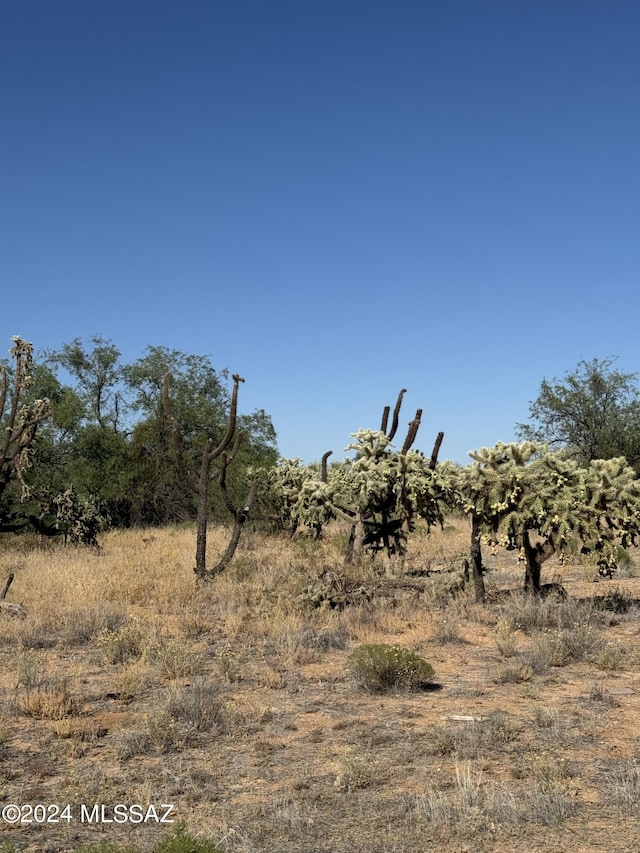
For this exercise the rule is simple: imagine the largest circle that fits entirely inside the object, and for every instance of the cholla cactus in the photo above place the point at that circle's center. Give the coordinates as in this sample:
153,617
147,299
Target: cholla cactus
301,496
79,519
19,421
380,491
524,496
386,491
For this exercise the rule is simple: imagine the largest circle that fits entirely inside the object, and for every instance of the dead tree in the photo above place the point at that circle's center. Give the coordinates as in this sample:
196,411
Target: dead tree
199,482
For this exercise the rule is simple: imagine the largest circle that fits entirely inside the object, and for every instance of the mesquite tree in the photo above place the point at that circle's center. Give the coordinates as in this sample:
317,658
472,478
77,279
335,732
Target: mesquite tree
524,496
222,454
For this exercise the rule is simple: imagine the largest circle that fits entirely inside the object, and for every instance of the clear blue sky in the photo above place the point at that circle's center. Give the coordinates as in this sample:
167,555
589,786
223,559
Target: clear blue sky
334,199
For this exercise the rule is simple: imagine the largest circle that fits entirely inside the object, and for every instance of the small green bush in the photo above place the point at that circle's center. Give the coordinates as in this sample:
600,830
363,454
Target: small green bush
379,667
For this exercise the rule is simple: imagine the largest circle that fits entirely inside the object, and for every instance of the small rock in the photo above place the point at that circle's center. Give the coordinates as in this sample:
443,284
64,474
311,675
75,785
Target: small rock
462,718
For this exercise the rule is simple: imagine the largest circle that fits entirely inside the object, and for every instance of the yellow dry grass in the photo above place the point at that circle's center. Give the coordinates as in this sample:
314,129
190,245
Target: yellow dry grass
126,683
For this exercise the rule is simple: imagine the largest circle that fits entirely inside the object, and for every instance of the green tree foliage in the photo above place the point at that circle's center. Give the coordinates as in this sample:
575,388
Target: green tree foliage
97,374
594,413
107,439
88,446
200,402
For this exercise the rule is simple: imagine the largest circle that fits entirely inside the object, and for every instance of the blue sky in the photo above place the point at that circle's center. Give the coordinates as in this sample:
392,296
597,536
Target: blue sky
334,199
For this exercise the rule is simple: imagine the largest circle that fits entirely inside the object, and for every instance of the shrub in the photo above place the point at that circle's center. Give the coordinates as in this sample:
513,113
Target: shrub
121,645
379,667
614,600
623,784
199,707
50,699
559,648
84,623
173,660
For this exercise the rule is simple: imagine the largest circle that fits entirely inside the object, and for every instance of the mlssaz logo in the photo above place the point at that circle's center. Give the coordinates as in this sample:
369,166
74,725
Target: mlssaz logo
121,813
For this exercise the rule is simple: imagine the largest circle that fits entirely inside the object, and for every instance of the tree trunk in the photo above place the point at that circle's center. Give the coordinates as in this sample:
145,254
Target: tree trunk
532,566
355,545
535,556
240,518
475,556
203,517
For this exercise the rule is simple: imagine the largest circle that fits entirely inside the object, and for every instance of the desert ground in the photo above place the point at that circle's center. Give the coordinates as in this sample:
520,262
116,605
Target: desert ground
234,702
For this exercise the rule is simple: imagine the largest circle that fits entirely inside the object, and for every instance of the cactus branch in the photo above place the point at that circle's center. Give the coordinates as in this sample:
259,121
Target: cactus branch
323,466
396,414
385,419
228,437
412,432
436,451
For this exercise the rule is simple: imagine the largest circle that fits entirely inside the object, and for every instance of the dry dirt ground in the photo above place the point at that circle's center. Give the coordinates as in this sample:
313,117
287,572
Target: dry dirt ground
126,684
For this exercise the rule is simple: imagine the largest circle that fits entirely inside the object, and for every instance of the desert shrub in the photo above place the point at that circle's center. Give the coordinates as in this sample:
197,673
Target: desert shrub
614,600
199,707
38,694
624,563
84,623
379,667
598,693
449,738
513,673
501,730
505,639
36,634
612,658
559,648
158,735
334,594
173,660
530,613
446,630
359,772
121,645
49,699
623,784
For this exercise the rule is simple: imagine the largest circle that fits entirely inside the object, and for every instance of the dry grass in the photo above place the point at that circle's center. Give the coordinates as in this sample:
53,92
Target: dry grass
125,683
